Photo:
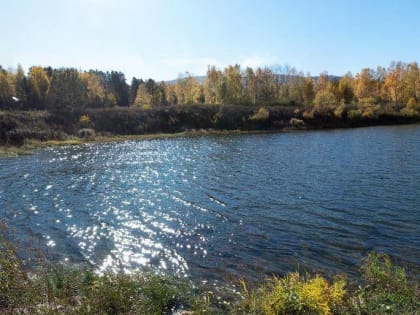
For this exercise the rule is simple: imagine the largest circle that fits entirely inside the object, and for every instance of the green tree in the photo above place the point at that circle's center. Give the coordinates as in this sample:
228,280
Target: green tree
21,87
133,89
67,91
119,87
7,89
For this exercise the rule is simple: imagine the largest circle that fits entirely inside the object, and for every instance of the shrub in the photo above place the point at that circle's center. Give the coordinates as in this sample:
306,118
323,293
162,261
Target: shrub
354,114
84,119
338,112
413,105
297,123
294,294
371,111
386,289
262,114
86,133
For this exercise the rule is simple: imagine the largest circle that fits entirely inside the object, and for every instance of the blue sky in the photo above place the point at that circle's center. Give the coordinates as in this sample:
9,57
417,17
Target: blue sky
162,39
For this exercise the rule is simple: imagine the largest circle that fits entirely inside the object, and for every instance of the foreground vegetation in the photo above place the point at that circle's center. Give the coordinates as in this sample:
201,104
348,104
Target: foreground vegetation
58,289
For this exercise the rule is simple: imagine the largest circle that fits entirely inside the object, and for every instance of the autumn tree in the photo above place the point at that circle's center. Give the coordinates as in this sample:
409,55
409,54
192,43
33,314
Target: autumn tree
96,94
266,86
133,89
365,86
213,86
39,85
233,85
143,97
308,90
250,86
188,90
345,88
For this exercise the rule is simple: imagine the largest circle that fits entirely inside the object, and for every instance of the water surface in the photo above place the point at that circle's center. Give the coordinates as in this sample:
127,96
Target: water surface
222,207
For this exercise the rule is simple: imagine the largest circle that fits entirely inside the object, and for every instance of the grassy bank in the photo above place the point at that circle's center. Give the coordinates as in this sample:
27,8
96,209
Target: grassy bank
21,132
31,145
56,289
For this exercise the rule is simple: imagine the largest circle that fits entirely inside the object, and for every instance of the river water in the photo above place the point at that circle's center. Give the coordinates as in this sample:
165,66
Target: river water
221,207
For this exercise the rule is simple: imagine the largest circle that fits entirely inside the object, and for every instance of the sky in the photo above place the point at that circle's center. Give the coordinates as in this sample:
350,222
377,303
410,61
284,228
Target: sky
163,39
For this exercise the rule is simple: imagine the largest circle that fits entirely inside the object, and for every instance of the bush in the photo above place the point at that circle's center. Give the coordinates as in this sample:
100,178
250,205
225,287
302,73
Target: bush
297,123
262,114
294,294
86,133
354,114
385,289
371,111
339,111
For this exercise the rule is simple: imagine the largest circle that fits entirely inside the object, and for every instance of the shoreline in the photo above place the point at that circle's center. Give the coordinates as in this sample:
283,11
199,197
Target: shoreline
32,145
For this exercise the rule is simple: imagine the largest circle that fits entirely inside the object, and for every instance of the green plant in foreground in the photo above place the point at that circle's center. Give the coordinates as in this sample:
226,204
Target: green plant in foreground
59,289
294,294
386,289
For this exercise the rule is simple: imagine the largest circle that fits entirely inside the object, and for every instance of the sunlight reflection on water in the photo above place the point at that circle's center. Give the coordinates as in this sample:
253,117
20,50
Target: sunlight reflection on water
222,207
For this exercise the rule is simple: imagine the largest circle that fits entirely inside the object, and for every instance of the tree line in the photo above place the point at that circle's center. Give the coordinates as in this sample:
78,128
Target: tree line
68,89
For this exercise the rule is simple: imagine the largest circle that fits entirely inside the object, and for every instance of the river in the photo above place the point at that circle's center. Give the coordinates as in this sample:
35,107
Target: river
221,207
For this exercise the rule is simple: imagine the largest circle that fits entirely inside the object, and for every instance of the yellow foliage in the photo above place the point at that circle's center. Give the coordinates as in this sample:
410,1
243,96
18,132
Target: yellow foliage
261,115
84,119
295,294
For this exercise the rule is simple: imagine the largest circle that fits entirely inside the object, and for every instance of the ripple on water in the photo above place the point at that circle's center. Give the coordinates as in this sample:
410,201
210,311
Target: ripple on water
222,207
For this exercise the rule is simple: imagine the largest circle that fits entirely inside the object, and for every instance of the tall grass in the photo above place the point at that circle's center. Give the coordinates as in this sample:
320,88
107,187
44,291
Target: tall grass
57,289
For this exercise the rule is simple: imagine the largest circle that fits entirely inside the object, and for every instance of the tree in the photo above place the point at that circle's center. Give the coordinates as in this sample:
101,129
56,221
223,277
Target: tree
250,86
233,81
345,88
365,84
96,95
322,82
266,86
133,89
412,82
67,91
213,86
308,90
188,90
325,100
39,85
143,98
21,87
119,87
6,88
394,82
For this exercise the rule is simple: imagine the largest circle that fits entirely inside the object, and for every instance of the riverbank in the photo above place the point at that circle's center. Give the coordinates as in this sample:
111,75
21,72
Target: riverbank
31,145
22,132
58,289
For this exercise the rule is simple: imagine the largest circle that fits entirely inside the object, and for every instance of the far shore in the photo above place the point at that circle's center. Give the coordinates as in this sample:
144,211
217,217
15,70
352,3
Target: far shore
32,145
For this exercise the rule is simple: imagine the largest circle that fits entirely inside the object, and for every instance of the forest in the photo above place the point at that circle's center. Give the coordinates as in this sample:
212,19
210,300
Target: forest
51,103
